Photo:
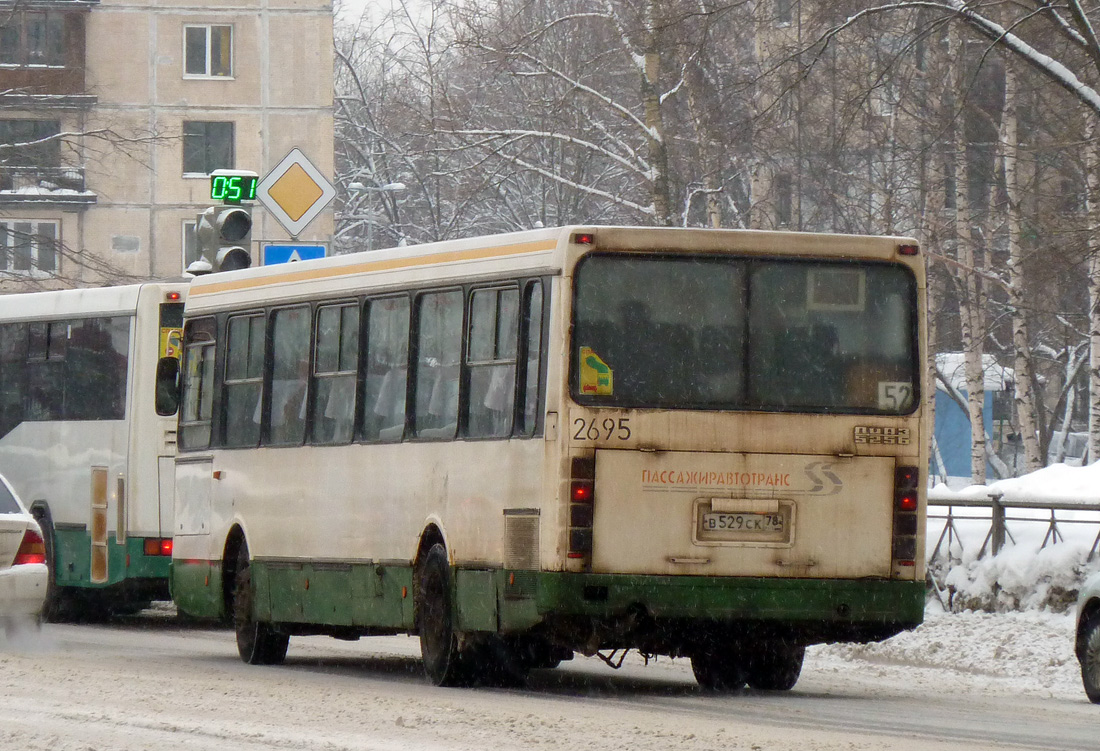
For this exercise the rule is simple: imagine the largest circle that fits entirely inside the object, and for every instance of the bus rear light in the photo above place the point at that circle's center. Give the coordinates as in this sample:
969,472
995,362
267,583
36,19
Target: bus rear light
580,541
906,478
908,250
31,550
906,505
905,548
580,515
907,501
157,546
172,296
582,494
584,238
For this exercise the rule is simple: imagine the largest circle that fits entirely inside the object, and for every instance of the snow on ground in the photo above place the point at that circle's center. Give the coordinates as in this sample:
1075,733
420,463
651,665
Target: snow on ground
1015,653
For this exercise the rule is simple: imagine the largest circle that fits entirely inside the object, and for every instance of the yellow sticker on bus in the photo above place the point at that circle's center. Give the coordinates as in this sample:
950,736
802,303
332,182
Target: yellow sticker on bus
596,376
170,342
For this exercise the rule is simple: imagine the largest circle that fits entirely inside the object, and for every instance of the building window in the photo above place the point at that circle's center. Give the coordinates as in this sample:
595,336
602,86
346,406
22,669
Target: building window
208,51
33,38
30,143
28,248
207,146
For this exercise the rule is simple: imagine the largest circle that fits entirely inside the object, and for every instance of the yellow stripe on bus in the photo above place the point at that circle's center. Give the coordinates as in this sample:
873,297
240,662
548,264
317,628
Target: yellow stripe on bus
386,265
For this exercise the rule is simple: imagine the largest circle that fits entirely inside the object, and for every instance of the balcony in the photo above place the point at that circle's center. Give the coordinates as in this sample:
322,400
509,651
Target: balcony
44,186
42,46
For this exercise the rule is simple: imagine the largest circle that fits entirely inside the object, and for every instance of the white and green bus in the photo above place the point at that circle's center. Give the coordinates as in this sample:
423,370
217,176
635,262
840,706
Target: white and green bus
699,443
85,442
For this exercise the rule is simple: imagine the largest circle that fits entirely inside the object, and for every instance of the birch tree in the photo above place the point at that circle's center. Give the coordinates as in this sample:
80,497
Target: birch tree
1059,45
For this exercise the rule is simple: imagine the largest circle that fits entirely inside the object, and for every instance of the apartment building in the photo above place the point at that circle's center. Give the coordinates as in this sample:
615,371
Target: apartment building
114,112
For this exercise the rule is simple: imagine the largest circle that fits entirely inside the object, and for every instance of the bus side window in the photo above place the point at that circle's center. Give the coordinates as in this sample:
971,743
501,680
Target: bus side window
45,394
13,369
439,349
244,369
386,367
532,363
95,369
289,375
336,354
491,361
197,396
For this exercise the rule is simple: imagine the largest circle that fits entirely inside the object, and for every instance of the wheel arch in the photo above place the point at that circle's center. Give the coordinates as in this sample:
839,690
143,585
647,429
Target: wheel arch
234,541
430,536
40,510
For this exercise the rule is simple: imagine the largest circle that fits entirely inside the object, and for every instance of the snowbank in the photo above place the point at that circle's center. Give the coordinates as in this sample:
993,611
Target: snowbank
1030,572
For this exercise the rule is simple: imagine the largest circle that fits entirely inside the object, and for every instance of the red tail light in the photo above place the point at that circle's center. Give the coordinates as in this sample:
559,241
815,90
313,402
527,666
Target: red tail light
31,550
906,503
157,546
582,492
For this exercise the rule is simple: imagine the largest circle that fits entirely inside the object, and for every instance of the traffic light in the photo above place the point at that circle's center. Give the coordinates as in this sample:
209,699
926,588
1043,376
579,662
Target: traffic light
224,233
224,236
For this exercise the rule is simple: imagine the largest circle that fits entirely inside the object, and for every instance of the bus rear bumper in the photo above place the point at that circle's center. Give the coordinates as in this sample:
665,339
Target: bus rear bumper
629,610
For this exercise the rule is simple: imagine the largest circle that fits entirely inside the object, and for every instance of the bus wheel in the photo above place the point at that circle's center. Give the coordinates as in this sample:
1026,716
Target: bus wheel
775,667
1090,656
439,649
257,642
719,670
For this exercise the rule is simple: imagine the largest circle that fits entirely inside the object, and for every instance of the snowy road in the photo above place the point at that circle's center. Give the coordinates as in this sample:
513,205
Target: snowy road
962,681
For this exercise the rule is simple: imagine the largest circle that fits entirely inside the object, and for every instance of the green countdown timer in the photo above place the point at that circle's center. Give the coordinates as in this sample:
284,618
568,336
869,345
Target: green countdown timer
233,188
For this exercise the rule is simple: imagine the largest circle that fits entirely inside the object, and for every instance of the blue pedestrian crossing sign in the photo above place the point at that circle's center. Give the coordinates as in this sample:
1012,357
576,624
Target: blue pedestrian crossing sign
290,253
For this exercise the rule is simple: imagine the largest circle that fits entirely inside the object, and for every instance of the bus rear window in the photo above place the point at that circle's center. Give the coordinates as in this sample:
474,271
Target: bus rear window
699,332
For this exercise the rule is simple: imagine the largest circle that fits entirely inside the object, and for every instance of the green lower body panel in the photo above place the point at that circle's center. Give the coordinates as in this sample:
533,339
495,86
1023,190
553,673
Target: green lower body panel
660,613
197,588
129,569
807,610
345,595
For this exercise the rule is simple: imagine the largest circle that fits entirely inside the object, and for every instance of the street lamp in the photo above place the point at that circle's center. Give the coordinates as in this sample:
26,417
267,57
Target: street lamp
358,187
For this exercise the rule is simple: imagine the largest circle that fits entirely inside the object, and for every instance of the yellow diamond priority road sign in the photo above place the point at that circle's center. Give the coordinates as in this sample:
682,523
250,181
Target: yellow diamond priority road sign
295,192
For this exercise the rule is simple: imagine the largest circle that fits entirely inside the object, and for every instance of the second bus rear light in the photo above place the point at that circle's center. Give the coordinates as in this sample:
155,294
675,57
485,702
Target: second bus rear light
582,492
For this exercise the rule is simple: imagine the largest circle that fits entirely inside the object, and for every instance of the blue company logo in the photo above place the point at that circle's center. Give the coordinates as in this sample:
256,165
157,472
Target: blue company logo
290,253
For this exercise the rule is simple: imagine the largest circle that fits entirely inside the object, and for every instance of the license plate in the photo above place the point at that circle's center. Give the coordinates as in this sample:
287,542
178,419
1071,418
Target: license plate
725,521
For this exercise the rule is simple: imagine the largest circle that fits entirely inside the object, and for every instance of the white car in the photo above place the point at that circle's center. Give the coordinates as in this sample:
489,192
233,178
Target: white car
23,571
1088,636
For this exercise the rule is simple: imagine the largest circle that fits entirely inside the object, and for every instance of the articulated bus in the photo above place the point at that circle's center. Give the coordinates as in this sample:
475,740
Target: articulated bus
87,443
697,443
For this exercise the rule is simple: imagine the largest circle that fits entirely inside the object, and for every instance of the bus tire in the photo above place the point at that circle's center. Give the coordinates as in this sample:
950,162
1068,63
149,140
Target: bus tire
258,643
1089,654
775,667
719,670
439,648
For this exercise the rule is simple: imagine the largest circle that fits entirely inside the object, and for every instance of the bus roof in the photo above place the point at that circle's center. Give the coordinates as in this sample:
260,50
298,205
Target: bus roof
65,303
529,252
